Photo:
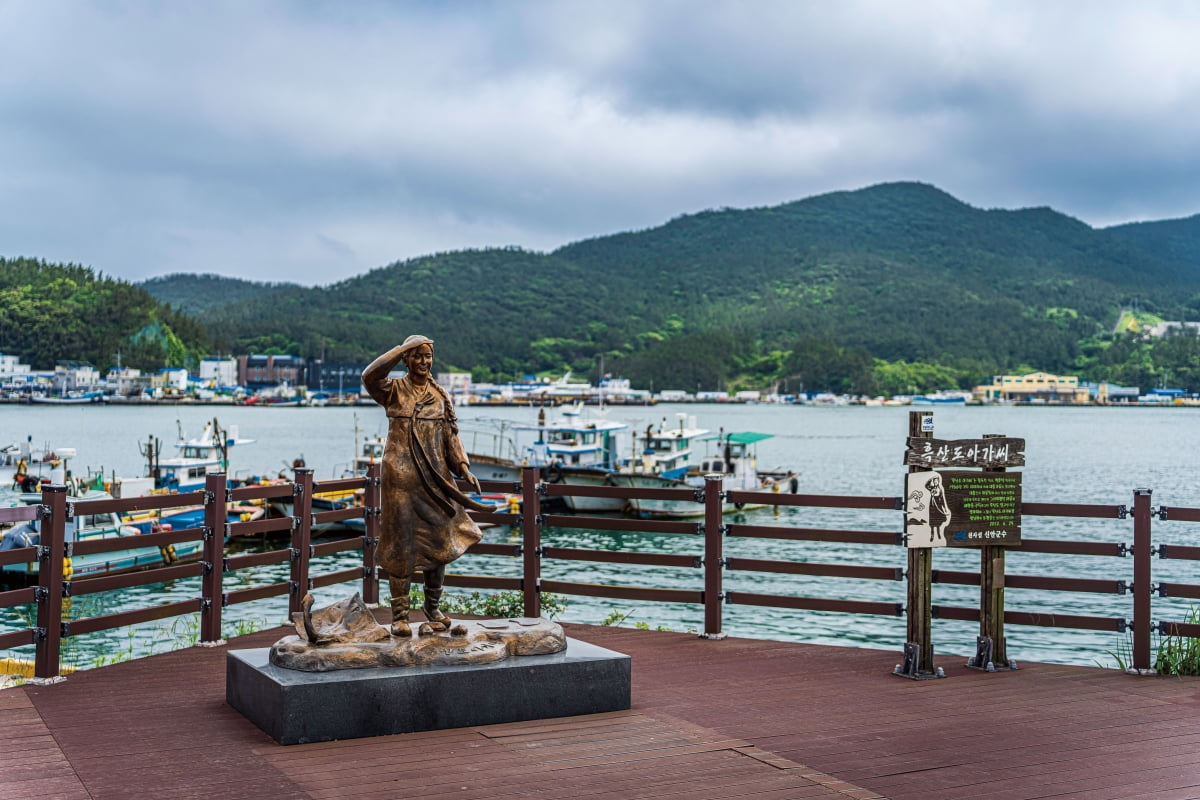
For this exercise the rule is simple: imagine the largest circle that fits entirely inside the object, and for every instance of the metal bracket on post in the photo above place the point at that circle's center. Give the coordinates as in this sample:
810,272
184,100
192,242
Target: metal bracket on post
982,660
909,669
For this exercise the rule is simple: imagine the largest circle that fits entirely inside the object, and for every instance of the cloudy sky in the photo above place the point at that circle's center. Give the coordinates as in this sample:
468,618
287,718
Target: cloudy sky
314,141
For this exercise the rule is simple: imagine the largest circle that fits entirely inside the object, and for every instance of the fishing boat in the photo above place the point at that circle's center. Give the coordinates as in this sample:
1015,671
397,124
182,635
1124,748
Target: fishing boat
570,446
32,467
69,398
941,398
179,518
672,459
187,471
90,527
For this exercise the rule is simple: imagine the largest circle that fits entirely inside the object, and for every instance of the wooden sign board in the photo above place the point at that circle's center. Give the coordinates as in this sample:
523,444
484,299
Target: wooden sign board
1001,451
960,508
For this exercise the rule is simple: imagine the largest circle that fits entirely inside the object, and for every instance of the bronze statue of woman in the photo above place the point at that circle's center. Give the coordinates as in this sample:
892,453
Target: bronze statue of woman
424,524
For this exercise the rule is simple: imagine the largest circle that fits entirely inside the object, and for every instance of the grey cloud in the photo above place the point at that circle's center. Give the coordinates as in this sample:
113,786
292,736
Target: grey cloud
312,141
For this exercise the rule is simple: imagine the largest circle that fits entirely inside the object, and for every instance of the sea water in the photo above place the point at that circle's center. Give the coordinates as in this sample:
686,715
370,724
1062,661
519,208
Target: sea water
1073,455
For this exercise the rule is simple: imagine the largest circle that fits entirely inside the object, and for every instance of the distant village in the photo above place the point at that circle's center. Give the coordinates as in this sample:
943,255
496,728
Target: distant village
281,380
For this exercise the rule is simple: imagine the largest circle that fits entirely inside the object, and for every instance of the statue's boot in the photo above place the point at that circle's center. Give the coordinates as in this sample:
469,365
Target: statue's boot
400,603
438,621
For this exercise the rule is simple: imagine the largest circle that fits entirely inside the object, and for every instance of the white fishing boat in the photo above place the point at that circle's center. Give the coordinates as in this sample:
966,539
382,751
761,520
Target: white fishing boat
674,459
31,466
199,456
569,446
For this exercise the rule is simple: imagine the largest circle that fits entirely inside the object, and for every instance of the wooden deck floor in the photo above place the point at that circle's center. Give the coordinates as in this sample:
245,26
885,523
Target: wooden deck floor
710,719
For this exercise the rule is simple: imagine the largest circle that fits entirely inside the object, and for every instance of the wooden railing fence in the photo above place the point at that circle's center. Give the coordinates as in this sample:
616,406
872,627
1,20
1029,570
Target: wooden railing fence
710,592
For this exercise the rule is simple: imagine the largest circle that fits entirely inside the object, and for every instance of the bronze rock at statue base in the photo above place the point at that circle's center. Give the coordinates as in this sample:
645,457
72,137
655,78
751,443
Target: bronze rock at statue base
480,642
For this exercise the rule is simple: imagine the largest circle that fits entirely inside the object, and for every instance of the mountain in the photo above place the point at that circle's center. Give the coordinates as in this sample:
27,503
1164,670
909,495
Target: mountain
898,272
196,294
888,288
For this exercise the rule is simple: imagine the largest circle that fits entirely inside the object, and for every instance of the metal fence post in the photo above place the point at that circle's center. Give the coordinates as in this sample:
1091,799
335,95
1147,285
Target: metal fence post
1142,586
372,500
714,556
531,541
52,554
301,537
216,514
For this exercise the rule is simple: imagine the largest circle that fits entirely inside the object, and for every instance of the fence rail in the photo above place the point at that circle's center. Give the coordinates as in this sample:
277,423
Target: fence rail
707,564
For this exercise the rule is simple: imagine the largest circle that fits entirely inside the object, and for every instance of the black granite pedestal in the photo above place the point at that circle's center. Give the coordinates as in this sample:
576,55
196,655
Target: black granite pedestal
296,707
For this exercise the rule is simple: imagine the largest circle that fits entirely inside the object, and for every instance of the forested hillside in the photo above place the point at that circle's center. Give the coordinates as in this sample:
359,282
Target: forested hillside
894,288
820,290
52,312
196,294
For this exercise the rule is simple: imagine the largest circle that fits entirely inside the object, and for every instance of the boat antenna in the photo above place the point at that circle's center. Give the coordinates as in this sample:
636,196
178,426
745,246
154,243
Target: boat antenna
222,444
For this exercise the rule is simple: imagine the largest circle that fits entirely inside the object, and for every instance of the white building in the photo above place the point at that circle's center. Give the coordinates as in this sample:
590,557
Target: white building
126,381
75,376
13,372
215,372
1163,328
172,379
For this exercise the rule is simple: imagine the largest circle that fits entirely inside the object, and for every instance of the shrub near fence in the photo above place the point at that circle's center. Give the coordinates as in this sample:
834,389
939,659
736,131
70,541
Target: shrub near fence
708,561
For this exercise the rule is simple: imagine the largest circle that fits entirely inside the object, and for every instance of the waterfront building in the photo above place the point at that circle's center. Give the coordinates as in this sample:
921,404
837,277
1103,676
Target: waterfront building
14,374
457,384
171,380
1164,396
216,372
75,376
336,377
126,382
264,371
1034,387
1111,393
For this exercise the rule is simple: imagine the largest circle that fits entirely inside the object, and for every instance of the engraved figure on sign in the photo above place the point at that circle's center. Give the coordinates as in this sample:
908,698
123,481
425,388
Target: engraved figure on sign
424,524
939,509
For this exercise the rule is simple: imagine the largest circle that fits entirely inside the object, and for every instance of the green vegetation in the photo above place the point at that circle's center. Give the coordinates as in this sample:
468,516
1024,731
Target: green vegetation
495,604
1179,655
616,618
52,312
891,289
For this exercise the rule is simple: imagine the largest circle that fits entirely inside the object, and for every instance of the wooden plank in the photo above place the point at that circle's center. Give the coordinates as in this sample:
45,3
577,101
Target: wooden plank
731,718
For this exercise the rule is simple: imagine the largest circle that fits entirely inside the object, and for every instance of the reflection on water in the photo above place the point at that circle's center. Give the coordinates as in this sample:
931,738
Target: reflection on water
1080,455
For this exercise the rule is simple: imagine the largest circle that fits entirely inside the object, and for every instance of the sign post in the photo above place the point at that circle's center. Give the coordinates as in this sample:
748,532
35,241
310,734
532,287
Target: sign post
991,652
962,508
918,645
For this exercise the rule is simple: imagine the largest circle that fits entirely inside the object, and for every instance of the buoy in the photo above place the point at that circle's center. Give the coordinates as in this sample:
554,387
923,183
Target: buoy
68,570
